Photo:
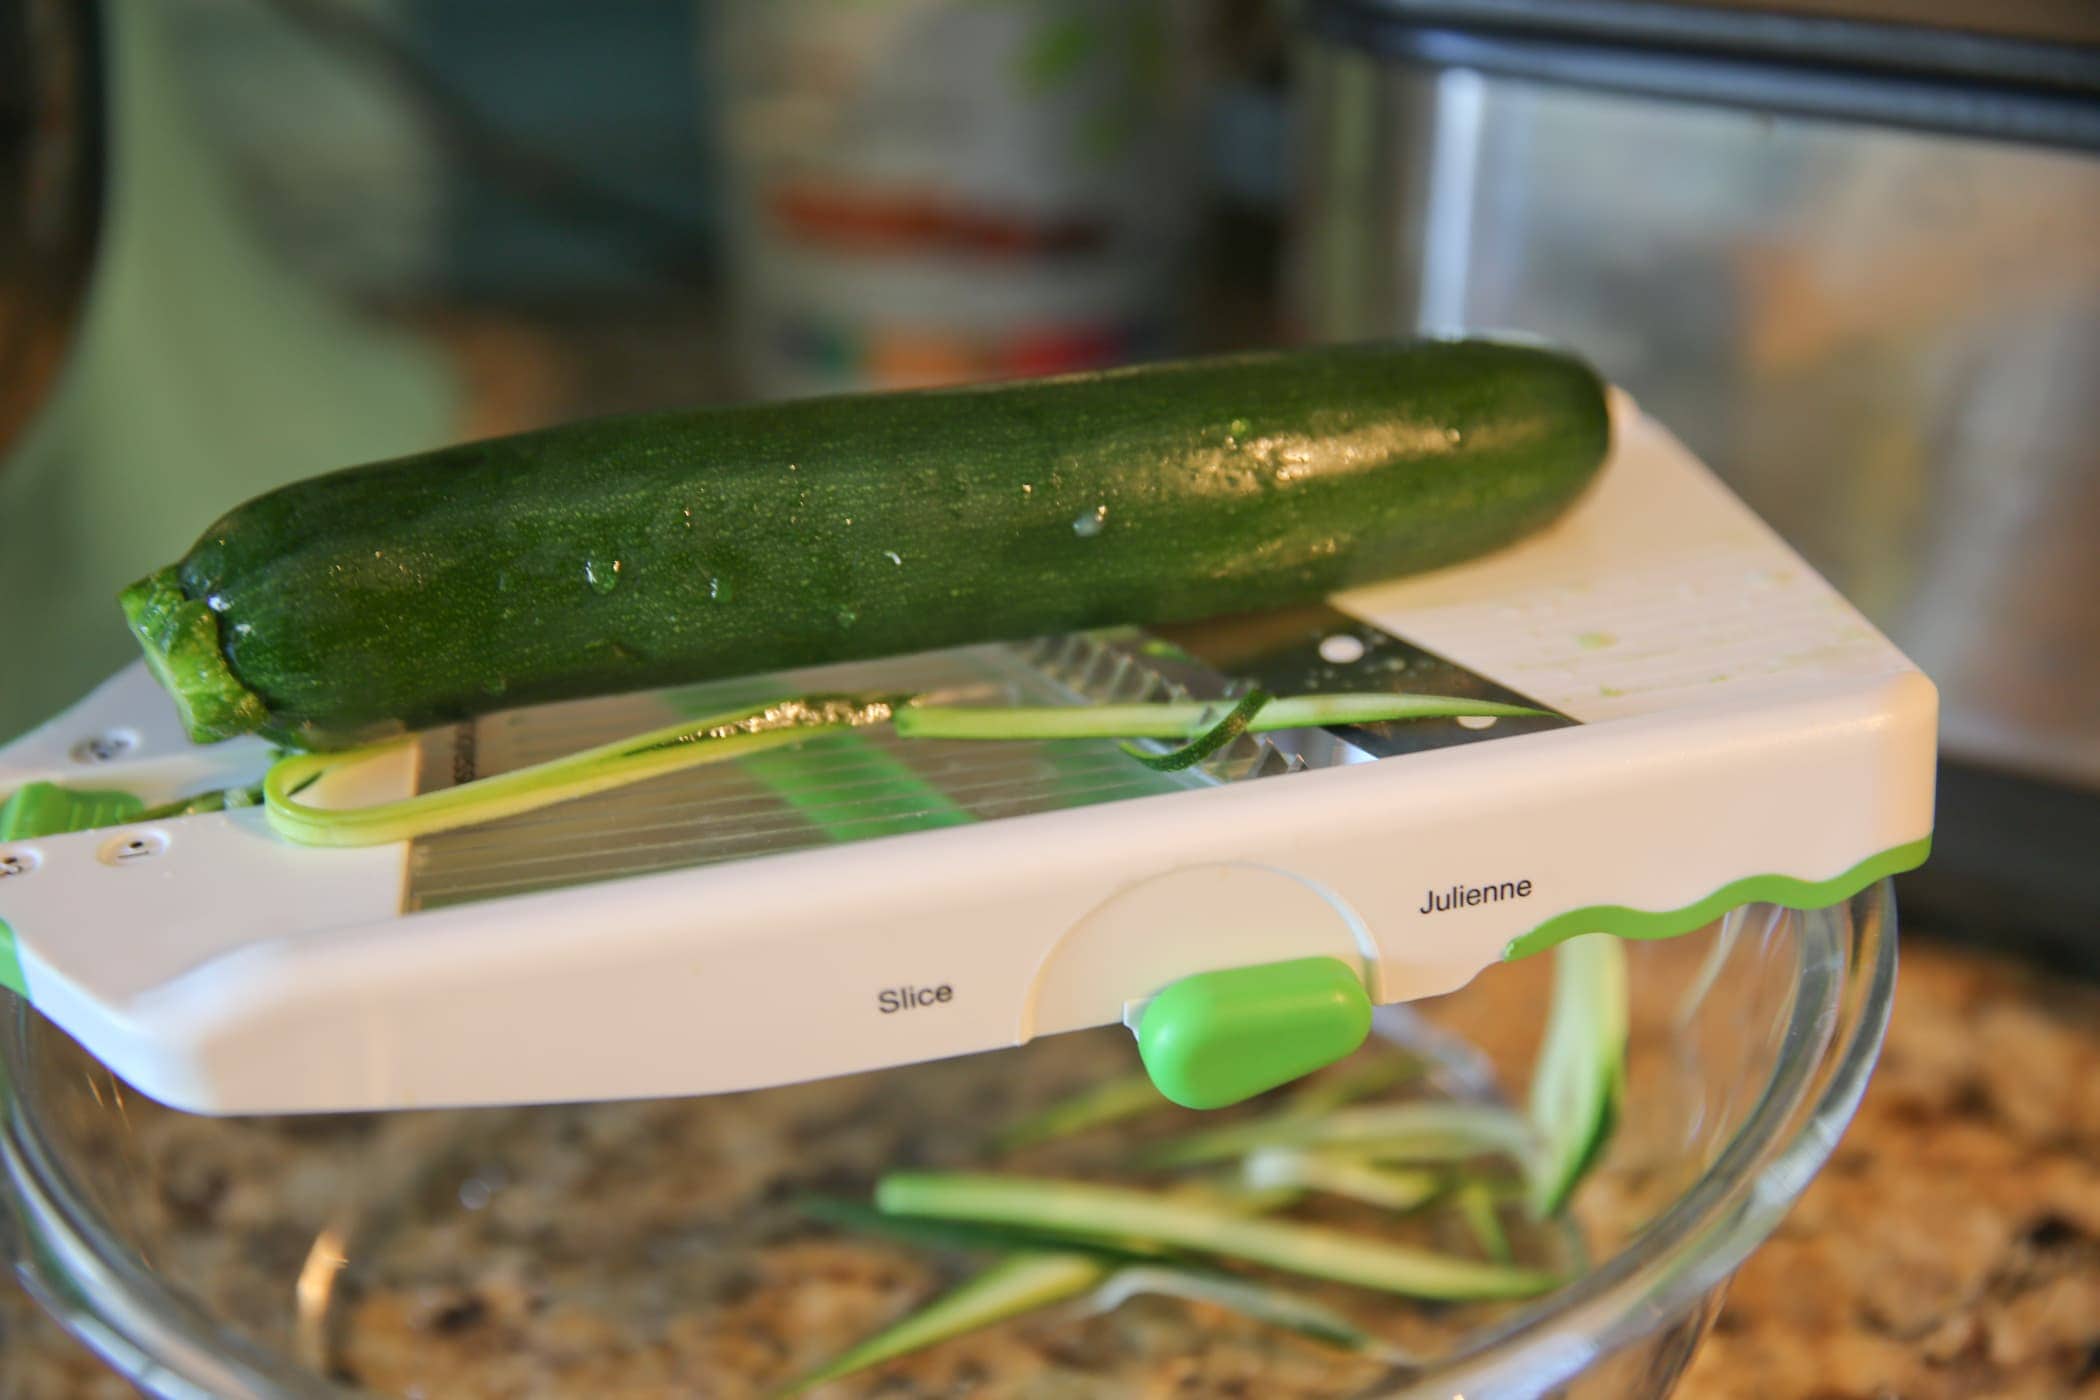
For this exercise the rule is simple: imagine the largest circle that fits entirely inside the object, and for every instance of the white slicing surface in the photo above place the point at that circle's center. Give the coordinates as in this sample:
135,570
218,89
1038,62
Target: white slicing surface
1660,589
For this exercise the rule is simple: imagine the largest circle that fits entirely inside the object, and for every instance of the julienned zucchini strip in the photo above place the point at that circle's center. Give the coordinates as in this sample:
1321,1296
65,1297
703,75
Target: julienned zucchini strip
1581,1064
1016,1284
1087,1210
1185,719
745,730
1035,1279
1096,1106
1581,1073
1115,1100
1209,741
690,743
1339,1174
1414,1132
1264,1302
1041,1271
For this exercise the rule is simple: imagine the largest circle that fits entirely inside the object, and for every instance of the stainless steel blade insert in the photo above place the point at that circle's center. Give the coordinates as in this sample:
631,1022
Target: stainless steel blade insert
842,787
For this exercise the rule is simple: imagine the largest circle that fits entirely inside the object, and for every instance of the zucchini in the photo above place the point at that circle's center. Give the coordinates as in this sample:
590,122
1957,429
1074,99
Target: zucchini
622,554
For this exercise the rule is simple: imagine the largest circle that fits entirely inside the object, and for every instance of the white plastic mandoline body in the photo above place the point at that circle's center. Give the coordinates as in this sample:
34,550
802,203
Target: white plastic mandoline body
1739,719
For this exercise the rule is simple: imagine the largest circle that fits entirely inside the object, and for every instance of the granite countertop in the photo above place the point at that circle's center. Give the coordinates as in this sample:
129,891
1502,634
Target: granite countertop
1950,1248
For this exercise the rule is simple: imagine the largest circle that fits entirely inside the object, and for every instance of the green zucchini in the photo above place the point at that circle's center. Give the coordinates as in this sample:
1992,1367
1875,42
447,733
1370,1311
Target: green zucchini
622,554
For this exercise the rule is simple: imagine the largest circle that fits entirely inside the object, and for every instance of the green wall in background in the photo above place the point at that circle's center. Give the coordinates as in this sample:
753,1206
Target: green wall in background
203,374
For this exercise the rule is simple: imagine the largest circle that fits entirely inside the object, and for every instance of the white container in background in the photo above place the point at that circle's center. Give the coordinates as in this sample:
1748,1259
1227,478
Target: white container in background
924,191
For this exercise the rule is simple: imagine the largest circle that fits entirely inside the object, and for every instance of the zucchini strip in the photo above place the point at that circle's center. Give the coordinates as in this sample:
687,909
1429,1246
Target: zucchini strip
1087,1210
1132,1095
1014,1285
1385,1187
686,744
1279,1307
735,733
1581,1070
1096,1106
1368,1075
1037,1276
1209,741
1185,719
1477,1207
1425,1131
970,1237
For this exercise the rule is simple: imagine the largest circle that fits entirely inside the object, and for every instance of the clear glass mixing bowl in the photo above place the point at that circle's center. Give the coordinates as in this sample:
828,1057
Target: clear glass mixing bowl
656,1248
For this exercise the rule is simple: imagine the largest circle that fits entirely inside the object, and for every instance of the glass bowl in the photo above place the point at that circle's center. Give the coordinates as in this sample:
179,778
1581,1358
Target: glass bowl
659,1248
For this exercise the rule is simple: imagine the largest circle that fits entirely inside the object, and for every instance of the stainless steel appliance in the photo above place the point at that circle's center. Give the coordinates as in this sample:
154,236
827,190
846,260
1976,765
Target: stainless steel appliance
1851,251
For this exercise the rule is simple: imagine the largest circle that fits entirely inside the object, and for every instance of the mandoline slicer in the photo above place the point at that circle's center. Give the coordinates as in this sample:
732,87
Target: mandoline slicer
1726,730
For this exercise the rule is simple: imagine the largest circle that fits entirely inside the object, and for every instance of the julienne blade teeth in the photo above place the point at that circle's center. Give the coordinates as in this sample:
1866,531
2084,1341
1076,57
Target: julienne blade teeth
715,814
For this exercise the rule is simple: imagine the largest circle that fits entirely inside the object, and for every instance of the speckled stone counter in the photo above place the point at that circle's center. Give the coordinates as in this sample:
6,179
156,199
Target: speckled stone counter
1951,1248
1952,1245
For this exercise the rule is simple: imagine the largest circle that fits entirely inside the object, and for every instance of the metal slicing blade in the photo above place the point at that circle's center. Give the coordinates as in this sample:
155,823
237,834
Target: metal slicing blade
840,787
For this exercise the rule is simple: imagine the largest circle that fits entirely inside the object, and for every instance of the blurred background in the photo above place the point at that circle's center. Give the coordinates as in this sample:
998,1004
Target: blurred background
1849,251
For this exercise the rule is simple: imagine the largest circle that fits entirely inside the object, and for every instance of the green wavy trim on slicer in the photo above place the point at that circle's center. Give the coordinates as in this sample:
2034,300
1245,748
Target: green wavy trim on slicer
11,963
1755,889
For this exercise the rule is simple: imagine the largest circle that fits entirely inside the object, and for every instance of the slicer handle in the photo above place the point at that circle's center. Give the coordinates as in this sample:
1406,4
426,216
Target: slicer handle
1216,1038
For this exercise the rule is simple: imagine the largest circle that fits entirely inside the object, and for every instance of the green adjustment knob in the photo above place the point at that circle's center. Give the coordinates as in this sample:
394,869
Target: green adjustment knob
1216,1038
